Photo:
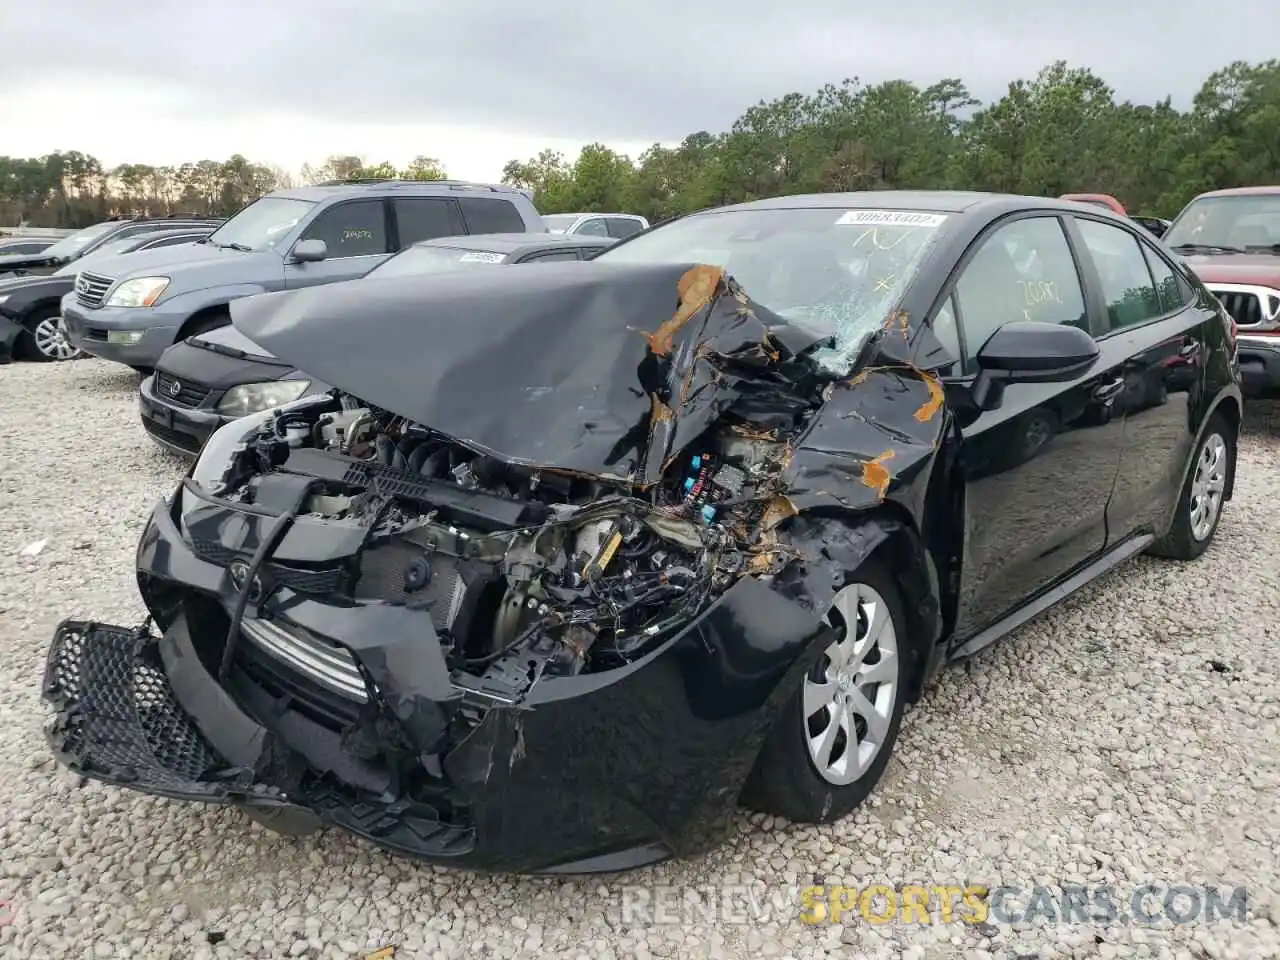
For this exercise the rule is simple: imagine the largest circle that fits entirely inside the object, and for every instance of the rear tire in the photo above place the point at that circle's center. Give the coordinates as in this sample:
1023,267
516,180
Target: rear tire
44,339
809,773
1199,508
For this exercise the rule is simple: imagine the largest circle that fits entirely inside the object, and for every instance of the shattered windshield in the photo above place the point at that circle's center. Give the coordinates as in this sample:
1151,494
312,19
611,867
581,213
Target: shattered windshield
1239,224
835,272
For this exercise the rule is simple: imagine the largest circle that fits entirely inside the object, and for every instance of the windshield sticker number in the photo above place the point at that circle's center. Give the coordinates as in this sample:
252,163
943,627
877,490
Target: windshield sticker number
352,234
890,218
475,257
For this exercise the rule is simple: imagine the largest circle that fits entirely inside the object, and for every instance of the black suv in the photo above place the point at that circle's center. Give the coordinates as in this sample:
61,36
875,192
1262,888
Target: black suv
91,238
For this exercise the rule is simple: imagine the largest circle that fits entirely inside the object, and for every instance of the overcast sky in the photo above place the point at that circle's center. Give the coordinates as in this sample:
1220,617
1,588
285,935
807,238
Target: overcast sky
478,83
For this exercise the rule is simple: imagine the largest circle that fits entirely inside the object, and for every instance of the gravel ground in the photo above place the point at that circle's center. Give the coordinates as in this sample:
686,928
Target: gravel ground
1132,735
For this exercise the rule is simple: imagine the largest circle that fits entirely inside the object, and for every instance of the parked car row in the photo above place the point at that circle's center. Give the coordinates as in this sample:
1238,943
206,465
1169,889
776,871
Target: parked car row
324,234
569,561
31,305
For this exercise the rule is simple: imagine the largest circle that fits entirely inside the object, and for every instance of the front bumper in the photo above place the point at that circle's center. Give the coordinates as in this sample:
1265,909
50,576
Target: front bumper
10,330
598,772
89,330
1259,365
181,430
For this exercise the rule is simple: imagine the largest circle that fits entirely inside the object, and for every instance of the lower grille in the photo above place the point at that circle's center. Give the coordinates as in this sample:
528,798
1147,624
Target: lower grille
327,664
184,393
91,288
183,441
119,713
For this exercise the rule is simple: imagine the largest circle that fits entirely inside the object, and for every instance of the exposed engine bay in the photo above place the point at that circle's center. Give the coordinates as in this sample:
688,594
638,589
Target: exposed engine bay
530,571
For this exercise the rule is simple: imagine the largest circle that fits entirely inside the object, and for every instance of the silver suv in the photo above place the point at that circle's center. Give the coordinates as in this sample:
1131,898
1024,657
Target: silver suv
130,309
616,225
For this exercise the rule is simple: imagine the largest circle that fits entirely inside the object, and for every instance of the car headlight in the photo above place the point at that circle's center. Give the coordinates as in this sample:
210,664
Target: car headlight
220,449
251,397
139,292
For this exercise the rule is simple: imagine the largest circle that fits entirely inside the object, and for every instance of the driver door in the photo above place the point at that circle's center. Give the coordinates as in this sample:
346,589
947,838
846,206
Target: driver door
356,235
1038,471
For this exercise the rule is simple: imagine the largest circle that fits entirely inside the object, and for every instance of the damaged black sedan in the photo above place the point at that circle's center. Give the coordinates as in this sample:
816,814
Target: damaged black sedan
576,559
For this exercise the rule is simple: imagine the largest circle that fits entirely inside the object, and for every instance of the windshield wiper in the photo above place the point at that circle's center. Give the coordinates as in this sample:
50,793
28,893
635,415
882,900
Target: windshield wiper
238,246
217,348
1264,248
234,352
1207,248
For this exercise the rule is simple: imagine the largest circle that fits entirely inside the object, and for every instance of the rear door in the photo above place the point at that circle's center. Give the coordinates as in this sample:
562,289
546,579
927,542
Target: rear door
1039,469
425,218
491,215
357,234
1152,319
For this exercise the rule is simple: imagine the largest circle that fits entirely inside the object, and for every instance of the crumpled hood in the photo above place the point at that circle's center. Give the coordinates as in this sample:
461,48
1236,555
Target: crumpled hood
190,266
594,368
1249,268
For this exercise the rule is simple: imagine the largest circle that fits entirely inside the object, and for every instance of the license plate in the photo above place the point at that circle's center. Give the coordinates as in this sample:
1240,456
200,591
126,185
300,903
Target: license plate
162,415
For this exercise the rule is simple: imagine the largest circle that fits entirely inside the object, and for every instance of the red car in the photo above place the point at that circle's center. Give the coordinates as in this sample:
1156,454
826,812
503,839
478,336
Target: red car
1231,239
1153,225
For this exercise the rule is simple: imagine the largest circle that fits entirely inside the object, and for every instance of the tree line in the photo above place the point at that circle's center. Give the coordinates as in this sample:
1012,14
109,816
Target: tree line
73,189
1062,131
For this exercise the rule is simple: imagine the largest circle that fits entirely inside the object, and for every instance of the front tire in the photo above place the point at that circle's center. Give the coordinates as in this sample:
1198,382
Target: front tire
45,340
1199,508
833,739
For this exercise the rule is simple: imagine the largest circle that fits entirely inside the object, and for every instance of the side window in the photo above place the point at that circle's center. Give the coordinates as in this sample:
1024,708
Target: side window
623,227
553,255
124,233
485,215
595,227
422,218
1126,279
357,228
944,328
1172,294
1022,271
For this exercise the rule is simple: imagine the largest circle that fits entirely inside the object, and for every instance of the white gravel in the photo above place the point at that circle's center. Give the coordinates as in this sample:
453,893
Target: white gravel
1097,746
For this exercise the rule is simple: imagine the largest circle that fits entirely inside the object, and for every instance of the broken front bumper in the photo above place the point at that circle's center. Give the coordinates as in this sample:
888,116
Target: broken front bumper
596,772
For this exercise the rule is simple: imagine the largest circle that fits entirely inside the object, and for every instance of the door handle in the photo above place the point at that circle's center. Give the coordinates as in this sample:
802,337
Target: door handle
1107,392
1189,349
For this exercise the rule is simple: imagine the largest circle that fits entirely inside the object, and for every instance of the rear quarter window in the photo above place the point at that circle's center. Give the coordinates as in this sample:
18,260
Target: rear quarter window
621,227
490,215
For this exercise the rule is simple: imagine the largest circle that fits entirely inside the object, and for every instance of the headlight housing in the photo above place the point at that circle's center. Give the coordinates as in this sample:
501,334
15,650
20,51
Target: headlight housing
252,397
138,292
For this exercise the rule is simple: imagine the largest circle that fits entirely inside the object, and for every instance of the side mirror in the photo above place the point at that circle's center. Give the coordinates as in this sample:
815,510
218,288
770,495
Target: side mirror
310,251
1029,351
